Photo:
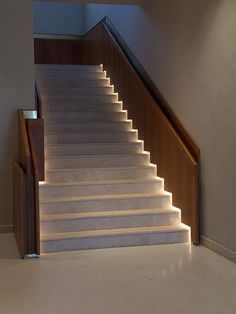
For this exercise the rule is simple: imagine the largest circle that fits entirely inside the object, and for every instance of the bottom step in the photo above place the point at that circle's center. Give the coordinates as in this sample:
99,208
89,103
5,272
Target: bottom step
83,240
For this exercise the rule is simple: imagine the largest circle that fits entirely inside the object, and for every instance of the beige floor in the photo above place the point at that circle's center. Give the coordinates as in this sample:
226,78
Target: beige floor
140,280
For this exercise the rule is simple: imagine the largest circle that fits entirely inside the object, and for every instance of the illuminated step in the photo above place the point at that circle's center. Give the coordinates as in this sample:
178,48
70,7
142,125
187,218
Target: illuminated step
92,137
67,91
91,161
94,149
67,107
48,83
81,188
81,240
52,128
72,76
100,174
105,98
56,68
85,116
109,220
105,203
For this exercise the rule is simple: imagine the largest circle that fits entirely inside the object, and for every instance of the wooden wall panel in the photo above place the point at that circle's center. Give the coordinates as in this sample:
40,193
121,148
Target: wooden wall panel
174,162
19,208
58,51
36,129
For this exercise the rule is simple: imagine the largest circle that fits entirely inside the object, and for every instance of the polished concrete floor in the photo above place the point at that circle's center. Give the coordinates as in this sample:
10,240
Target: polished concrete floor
140,280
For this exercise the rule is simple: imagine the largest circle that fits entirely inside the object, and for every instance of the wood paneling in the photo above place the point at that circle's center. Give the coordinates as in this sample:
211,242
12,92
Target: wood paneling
19,208
26,193
35,128
176,163
58,51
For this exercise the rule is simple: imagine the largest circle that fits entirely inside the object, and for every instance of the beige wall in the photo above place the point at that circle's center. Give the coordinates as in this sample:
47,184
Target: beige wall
188,47
16,89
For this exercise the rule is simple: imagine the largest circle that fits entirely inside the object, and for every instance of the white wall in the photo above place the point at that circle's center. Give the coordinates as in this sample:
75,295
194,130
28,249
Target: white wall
188,47
16,88
58,18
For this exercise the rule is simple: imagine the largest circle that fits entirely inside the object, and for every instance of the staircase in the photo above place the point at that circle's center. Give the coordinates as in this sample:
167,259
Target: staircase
101,189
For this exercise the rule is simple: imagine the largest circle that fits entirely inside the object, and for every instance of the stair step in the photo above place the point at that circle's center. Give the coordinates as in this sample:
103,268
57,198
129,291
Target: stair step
64,108
71,76
82,99
105,202
52,128
109,220
86,116
92,137
68,91
67,67
100,174
95,149
45,84
80,240
82,188
57,162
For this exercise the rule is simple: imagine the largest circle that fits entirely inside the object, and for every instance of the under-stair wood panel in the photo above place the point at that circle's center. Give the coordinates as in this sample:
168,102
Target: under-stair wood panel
58,50
26,193
19,208
171,148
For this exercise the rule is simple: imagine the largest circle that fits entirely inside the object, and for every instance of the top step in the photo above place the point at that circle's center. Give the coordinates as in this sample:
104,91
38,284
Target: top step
55,68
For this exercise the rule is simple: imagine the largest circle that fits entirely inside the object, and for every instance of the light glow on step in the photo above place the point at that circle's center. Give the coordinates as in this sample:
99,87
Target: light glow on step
42,182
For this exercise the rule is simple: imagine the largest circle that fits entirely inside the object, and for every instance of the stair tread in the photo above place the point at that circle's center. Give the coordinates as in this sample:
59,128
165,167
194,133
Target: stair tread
44,185
102,168
99,143
113,232
97,156
115,213
105,197
98,132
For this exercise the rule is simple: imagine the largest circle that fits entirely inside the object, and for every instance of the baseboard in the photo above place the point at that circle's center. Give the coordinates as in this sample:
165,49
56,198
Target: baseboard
6,228
219,249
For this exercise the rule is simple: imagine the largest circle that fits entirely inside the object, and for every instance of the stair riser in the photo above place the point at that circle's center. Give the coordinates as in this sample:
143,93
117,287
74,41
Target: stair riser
112,107
85,117
98,161
83,127
60,83
96,149
114,241
65,92
102,223
105,204
91,138
100,189
80,99
101,175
